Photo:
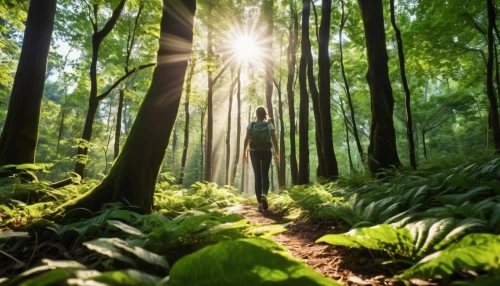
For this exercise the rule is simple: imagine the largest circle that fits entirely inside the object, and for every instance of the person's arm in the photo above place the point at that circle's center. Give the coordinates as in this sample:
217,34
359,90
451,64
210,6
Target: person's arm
275,144
245,147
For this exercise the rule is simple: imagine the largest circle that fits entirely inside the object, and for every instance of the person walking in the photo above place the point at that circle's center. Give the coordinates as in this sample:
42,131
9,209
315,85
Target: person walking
261,138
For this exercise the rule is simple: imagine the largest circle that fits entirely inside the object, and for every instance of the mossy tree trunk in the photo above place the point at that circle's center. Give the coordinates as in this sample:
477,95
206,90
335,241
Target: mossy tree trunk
238,131
303,177
20,132
382,151
133,176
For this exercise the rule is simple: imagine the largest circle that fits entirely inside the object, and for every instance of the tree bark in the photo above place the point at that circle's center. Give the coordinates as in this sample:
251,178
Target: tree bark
228,132
424,146
97,37
20,132
321,169
382,150
192,64
202,139
292,62
330,160
409,121
118,130
282,163
304,99
133,176
347,88
61,129
238,131
346,126
490,89
209,139
269,60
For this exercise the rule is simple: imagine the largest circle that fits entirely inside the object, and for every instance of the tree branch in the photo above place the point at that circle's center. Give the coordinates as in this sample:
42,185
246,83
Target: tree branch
110,24
124,77
220,73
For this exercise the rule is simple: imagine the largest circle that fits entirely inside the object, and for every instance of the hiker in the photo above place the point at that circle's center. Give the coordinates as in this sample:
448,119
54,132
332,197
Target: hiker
261,137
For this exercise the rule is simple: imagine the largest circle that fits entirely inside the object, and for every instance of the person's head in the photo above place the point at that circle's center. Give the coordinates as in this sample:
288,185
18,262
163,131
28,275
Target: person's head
261,113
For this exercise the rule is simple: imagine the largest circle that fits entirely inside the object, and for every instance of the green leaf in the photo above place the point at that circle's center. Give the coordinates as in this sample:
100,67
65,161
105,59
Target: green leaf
252,261
125,227
475,252
6,235
380,237
112,247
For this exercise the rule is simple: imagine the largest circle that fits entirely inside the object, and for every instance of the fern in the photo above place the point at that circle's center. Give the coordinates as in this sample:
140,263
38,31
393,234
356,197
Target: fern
473,252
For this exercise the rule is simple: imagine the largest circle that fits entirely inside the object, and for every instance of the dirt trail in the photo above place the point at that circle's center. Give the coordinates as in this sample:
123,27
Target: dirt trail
352,267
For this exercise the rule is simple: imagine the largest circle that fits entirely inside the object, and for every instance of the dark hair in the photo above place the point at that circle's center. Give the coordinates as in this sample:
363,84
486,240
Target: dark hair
261,113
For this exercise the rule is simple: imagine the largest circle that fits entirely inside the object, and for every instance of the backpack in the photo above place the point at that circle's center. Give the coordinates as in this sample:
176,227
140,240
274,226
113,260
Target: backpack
260,139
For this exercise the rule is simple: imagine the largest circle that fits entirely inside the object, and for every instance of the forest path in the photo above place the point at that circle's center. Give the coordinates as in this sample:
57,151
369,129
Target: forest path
351,266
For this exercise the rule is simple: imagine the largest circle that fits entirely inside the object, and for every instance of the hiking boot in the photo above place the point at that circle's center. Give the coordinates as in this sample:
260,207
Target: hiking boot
259,208
265,205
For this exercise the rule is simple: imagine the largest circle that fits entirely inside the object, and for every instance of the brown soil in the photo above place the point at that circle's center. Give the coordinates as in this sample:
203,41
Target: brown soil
348,266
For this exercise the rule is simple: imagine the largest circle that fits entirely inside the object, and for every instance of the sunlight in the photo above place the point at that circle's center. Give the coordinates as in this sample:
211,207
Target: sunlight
246,48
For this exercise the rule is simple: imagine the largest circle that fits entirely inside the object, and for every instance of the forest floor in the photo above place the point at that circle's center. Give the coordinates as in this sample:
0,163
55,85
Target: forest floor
349,266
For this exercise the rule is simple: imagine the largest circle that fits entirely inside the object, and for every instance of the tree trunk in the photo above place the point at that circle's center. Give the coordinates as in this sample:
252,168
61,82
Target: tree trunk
490,89
61,129
347,89
118,131
20,132
282,163
209,139
133,176
351,165
228,132
186,127
409,121
269,61
424,145
97,38
321,169
304,99
331,168
238,131
292,61
202,139
382,150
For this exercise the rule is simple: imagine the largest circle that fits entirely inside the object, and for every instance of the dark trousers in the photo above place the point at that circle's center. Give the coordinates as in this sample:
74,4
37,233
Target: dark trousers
261,161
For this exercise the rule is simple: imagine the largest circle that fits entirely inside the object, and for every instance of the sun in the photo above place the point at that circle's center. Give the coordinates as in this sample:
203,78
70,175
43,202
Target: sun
245,48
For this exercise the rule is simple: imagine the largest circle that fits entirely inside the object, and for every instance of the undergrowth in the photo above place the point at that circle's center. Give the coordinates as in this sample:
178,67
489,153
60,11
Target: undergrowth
435,223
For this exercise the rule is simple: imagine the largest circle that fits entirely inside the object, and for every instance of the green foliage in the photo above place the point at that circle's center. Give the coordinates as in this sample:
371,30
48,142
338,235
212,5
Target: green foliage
252,261
476,252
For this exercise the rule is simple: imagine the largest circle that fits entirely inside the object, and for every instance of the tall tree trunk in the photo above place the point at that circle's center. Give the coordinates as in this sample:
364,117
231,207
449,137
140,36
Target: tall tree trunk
304,99
347,88
382,151
269,61
133,175
292,62
282,163
409,121
174,147
118,130
97,38
490,89
202,139
331,168
238,131
20,132
228,132
189,82
210,131
321,169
